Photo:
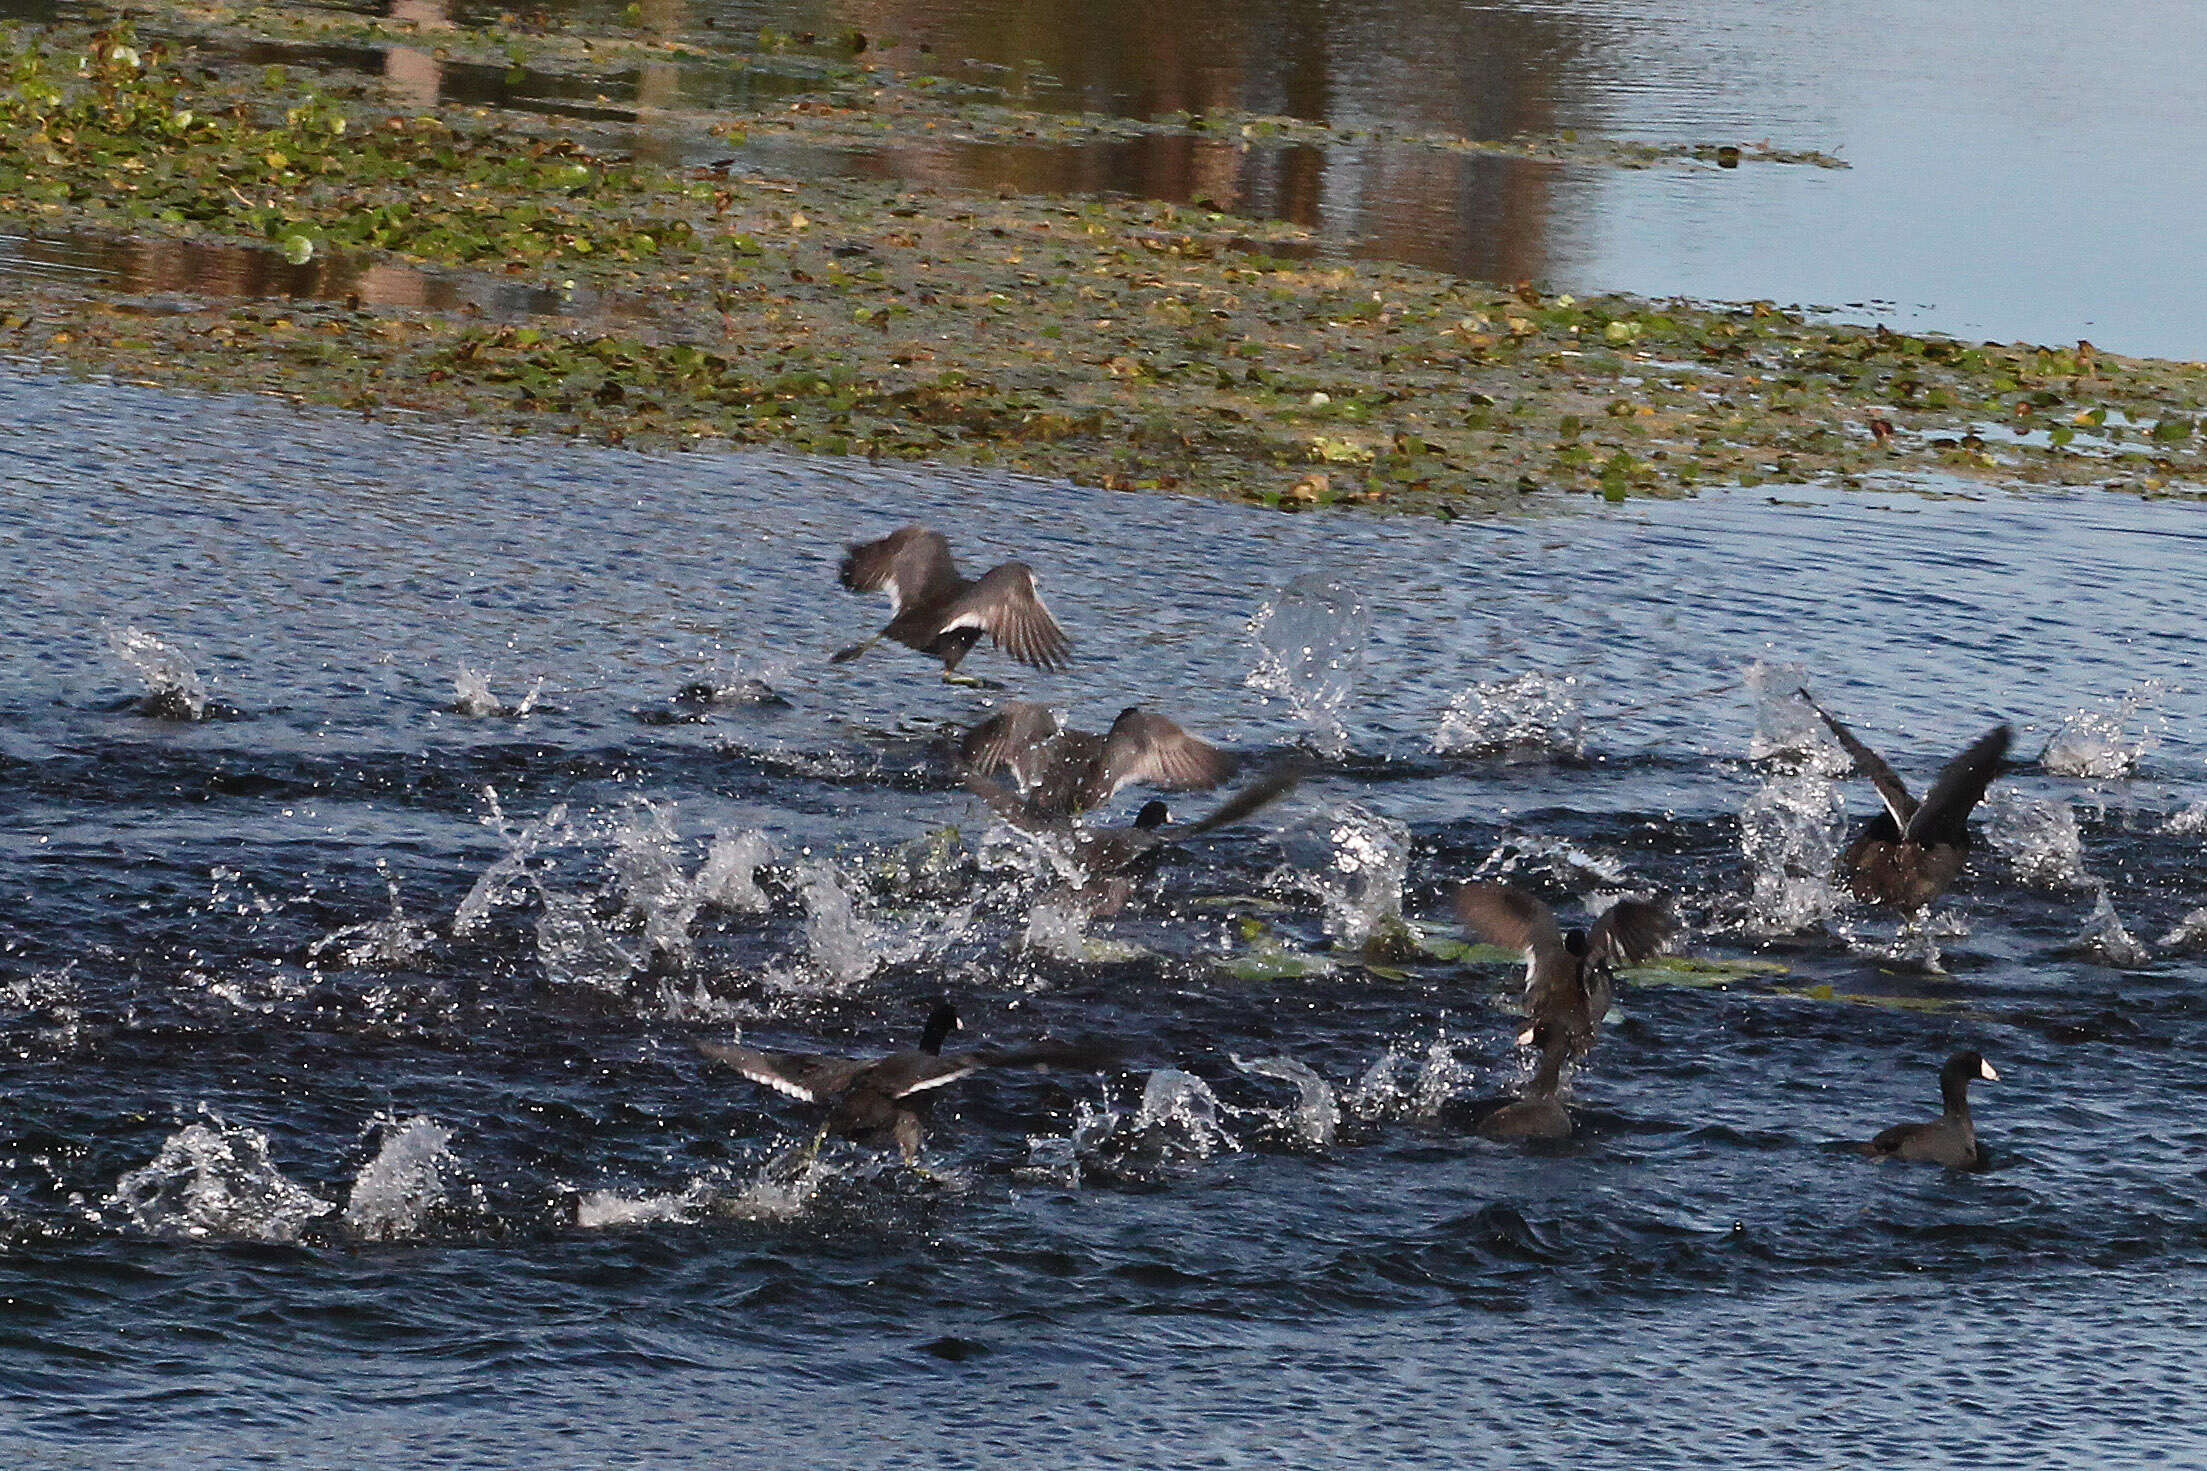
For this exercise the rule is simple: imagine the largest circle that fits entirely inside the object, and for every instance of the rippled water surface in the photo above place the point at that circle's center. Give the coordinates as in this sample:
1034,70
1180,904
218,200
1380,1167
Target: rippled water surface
352,1111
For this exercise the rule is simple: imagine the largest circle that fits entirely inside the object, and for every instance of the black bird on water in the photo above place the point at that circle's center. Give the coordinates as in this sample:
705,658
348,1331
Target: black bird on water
1538,1112
883,1101
1061,772
1951,1138
1107,854
940,612
1569,975
1910,852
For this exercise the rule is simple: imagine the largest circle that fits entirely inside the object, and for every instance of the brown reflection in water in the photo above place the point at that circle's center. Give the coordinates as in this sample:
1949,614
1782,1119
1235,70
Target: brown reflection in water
416,78
244,272
1421,65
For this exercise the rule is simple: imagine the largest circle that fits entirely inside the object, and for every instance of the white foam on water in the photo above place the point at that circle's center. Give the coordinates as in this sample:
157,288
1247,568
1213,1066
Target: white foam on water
412,1174
1528,717
214,1182
1310,638
1790,833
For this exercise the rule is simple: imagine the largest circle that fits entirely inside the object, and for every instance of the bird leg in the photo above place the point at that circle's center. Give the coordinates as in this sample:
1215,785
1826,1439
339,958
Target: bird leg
970,681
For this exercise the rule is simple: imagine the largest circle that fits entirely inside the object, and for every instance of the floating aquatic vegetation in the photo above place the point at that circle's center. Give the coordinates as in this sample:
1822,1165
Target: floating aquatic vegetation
1310,637
2038,836
1528,717
1789,835
215,1182
411,1177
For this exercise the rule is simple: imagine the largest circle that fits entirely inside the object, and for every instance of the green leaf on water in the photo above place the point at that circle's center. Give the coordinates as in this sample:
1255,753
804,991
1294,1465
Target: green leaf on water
296,248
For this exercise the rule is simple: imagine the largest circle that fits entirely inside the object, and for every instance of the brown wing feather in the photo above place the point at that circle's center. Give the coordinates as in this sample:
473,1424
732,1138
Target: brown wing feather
1502,915
1006,606
1870,764
1152,749
914,564
802,1075
1008,740
1961,783
1630,931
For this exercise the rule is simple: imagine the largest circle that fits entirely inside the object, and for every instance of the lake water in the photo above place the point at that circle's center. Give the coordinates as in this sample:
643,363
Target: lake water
353,1112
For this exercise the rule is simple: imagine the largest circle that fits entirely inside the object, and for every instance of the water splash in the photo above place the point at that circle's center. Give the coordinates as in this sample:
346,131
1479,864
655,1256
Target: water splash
174,689
410,1177
729,877
1058,927
472,697
600,1210
508,876
1528,717
2188,934
1790,834
53,997
2105,940
843,948
1408,1083
2109,740
1310,638
2039,838
1354,862
1523,855
2191,822
575,949
655,893
393,941
1179,1120
214,1182
1787,731
1316,1116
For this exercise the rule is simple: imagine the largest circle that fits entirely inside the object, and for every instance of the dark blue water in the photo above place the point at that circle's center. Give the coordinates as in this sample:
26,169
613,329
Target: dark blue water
289,1176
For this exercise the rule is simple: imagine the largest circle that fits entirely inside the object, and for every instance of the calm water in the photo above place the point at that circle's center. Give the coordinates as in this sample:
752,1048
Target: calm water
352,1111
